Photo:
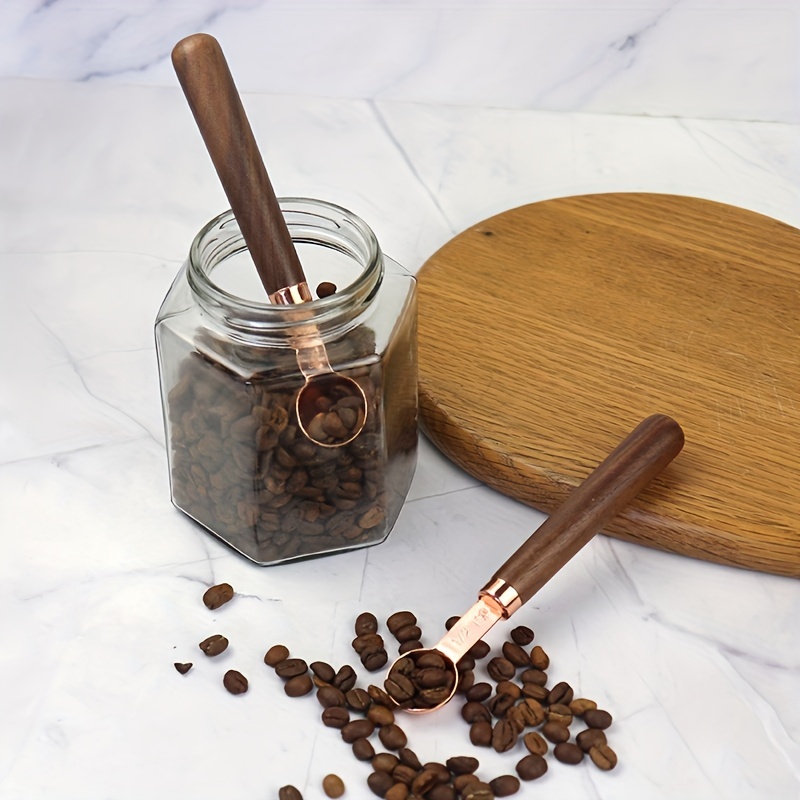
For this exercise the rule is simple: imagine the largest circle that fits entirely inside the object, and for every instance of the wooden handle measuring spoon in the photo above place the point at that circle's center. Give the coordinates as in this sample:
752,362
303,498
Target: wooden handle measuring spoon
217,107
423,680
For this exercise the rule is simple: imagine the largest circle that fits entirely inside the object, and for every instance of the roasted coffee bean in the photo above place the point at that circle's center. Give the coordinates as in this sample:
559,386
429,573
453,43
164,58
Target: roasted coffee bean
408,633
532,712
379,696
442,791
402,773
504,736
218,595
431,677
322,670
474,711
460,782
559,713
603,756
480,733
465,663
275,655
430,660
424,782
505,785
462,765
568,753
597,718
366,622
330,696
182,668
440,769
399,620
380,715
466,680
399,791
374,659
581,705
333,786
363,749
531,767
399,688
555,733
345,678
515,654
450,621
591,737
407,647
478,790
358,699
499,704
515,717
214,645
539,658
535,743
335,717
357,729
299,686
534,675
522,635
289,793
509,687
392,737
535,692
479,692
480,650
500,669
385,762
366,641
291,667
561,693
380,783
234,682
409,758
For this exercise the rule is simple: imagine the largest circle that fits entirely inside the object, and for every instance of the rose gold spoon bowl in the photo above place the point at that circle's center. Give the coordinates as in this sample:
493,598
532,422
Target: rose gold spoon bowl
424,680
217,108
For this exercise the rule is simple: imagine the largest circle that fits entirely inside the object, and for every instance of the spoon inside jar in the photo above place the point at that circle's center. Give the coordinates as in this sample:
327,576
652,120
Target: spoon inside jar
425,679
217,108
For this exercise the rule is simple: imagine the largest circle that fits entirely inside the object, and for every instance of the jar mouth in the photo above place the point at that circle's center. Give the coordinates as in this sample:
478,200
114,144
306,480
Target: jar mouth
310,222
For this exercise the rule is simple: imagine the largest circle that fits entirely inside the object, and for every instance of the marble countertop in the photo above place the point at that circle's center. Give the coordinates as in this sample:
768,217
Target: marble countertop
104,184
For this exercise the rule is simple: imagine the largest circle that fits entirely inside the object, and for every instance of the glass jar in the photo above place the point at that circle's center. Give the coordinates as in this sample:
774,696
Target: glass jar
239,463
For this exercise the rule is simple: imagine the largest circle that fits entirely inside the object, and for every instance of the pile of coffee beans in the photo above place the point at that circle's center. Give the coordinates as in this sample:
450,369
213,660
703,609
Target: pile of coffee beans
242,467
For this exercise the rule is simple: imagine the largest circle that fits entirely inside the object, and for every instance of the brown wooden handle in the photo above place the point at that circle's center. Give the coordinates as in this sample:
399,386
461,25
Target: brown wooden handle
590,506
208,85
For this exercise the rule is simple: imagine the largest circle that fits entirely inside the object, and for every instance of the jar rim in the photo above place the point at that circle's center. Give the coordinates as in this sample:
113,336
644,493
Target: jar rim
253,314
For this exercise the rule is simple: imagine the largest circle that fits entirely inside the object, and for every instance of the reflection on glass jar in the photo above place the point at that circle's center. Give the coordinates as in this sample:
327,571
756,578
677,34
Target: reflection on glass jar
228,363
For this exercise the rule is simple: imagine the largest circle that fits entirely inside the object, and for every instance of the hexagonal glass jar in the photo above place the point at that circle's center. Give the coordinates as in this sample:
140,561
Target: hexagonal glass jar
239,463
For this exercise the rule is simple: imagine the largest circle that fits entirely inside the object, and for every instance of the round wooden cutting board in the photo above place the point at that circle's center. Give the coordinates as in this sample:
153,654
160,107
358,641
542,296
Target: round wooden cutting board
548,332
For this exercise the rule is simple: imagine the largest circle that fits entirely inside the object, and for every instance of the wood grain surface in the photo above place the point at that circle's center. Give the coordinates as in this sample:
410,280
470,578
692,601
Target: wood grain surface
547,332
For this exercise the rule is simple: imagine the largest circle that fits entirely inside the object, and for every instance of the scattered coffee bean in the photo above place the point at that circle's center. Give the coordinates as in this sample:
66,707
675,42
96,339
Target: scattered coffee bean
568,753
374,659
533,675
182,668
218,595
535,743
399,620
330,696
392,737
539,658
333,786
522,635
409,758
581,705
298,686
480,649
321,669
345,678
363,749
500,669
399,791
275,655
462,765
532,712
499,704
478,790
462,781
424,782
531,767
234,682
603,756
289,793
555,732
596,718
515,654
291,667
357,729
479,692
358,700
408,633
366,622
560,693
407,647
442,791
384,762
365,641
559,713
509,687
335,717
473,712
480,733
379,696
505,785
402,773
214,645
591,737
504,736
380,783
380,715
534,691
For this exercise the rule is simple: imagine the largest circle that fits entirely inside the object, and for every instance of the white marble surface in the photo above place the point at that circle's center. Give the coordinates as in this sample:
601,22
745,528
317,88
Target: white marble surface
103,186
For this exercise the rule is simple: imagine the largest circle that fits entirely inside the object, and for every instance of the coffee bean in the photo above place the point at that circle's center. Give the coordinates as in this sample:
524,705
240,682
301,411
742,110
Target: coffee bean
505,785
509,687
326,289
499,704
559,713
392,737
535,743
365,641
291,667
603,756
182,668
321,669
402,773
379,696
531,767
442,791
366,622
532,711
399,620
275,655
561,693
596,718
591,737
380,715
500,669
477,791
522,635
539,658
333,786
504,736
407,647
234,682
399,791
462,765
515,717
479,692
460,782
408,633
480,650
380,783
555,733
218,595
568,753
535,692
345,678
450,621
214,645
581,705
399,688
357,729
335,717
289,793
358,699
480,733
375,659
424,782
409,758
330,696
299,686
534,675
465,663
515,654
466,680
385,762
473,712
363,749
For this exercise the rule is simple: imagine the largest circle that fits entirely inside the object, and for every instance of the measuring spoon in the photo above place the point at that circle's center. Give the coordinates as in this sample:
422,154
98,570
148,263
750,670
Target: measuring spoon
588,508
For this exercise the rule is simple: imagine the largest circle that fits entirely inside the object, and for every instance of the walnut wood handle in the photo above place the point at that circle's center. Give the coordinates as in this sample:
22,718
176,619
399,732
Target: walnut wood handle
208,85
590,506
